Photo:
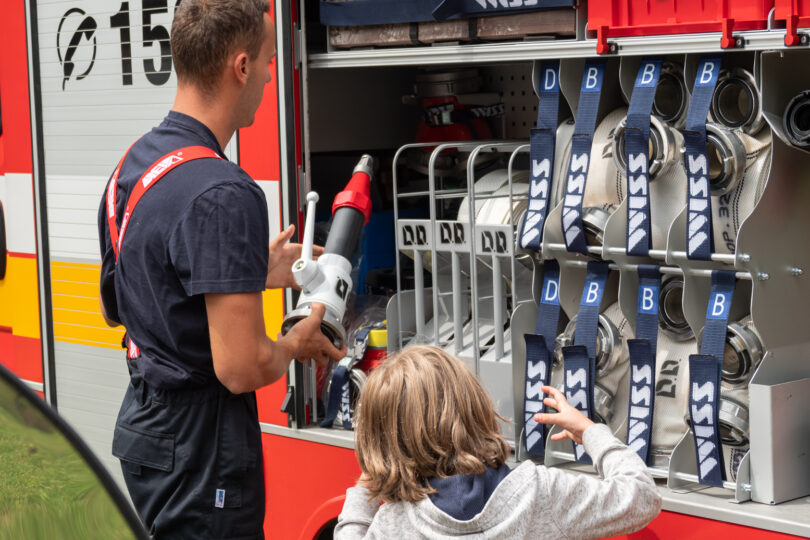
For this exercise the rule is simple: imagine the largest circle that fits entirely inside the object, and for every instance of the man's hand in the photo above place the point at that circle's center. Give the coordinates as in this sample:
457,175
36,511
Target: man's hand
573,422
282,256
305,340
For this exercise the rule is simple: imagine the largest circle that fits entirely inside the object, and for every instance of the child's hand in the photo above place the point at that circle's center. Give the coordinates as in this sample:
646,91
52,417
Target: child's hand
573,422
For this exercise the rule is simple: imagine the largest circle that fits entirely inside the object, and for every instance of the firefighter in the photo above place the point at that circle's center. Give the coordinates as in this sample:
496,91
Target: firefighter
184,240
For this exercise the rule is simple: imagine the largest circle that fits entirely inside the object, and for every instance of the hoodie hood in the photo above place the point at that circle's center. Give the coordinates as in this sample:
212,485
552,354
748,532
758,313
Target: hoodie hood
463,496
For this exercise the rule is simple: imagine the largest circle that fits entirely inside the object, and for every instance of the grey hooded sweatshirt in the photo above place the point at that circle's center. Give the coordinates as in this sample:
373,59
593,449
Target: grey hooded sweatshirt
532,501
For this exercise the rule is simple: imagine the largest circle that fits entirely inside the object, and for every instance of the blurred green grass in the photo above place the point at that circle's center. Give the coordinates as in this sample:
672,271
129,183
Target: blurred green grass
47,490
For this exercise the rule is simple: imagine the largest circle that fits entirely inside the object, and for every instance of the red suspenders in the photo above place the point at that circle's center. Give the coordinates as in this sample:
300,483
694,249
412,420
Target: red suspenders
151,177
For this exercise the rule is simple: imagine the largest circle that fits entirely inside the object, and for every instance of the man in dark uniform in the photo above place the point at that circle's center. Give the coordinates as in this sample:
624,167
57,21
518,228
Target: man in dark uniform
183,269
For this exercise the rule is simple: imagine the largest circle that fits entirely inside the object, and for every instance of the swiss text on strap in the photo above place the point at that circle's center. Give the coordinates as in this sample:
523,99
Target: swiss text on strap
539,350
579,163
579,360
699,238
543,141
642,362
704,381
637,139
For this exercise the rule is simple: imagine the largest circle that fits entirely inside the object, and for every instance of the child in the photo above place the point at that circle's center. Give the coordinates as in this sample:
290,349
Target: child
434,464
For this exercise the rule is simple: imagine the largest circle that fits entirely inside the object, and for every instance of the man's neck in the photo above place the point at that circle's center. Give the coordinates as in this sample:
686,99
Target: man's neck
215,115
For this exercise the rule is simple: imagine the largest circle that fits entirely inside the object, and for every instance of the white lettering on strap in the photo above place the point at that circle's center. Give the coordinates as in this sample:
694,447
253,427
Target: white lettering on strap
703,425
160,167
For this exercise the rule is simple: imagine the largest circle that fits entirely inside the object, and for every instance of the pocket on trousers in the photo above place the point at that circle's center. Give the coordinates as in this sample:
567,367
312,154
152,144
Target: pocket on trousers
143,447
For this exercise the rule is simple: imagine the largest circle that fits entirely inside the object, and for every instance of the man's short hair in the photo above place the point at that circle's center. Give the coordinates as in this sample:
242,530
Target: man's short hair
206,32
424,414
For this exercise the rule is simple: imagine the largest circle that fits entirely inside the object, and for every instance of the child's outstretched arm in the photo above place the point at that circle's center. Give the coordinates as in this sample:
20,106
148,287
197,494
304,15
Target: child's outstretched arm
586,507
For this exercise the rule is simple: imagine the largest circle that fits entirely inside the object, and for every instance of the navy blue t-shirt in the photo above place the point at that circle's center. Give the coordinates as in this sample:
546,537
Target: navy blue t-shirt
201,229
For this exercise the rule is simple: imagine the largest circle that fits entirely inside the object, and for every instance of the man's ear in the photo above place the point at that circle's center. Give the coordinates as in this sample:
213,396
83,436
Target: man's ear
241,65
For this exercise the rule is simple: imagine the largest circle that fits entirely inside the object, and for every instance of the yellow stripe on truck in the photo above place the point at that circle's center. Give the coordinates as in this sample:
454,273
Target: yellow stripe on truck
19,297
76,314
77,317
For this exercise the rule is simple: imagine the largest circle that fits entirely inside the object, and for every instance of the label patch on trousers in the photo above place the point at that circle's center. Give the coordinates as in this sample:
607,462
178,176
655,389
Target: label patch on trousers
219,502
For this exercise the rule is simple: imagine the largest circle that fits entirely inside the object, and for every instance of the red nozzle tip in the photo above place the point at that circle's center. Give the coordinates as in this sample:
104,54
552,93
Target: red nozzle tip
356,194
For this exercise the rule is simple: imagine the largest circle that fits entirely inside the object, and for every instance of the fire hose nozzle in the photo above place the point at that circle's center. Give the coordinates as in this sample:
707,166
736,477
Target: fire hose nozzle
328,280
305,271
365,165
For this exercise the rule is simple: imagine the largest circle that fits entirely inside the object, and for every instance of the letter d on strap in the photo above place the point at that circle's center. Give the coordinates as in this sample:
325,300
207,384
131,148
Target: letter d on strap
543,141
538,357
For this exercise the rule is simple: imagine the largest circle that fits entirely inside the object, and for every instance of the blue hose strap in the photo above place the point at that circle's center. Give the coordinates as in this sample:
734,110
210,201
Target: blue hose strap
579,388
361,343
548,314
704,380
588,315
704,410
368,12
543,140
717,313
581,143
338,389
699,236
538,371
539,348
649,285
637,145
642,362
579,360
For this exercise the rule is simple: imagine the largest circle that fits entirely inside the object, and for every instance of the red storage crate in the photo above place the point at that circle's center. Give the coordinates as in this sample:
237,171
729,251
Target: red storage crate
623,18
796,14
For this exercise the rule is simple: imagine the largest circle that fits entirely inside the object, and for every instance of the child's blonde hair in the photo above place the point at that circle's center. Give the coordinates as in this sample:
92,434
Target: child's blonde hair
424,414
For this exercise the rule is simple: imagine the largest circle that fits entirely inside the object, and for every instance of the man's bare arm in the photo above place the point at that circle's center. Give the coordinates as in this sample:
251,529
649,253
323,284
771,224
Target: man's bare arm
245,359
107,320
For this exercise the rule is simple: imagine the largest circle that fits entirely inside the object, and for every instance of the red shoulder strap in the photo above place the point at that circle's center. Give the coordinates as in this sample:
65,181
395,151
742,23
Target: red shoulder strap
151,177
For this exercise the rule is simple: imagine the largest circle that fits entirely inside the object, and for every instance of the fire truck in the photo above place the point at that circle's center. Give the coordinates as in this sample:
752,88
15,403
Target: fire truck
81,79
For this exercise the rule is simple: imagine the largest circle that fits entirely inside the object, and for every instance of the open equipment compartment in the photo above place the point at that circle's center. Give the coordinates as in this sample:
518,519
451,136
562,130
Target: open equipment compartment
455,290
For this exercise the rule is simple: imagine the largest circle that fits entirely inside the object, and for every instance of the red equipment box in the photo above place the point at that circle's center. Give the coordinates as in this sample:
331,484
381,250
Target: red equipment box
796,14
623,18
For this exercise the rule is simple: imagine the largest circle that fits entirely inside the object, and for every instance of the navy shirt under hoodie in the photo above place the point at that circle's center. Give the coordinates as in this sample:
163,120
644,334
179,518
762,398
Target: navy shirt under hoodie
201,229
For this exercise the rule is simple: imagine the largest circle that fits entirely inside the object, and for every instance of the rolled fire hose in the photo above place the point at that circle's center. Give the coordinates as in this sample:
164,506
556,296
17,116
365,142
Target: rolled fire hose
328,280
738,171
741,357
736,102
612,358
676,342
671,95
796,120
492,210
497,181
667,176
357,380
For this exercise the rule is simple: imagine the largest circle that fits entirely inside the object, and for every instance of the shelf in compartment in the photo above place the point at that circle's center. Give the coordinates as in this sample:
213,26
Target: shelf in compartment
486,53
